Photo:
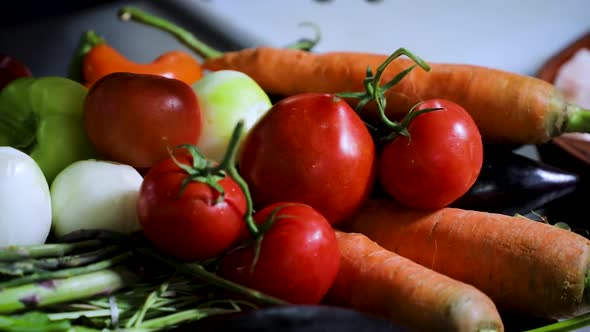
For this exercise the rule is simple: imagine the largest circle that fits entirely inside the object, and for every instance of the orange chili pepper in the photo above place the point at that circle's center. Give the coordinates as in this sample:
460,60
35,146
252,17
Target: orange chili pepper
102,59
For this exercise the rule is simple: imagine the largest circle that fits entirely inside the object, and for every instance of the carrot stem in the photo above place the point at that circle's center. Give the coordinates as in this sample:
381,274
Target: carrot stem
307,44
183,35
578,119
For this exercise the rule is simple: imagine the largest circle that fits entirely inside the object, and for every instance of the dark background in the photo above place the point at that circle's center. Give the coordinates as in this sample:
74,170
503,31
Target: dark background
44,35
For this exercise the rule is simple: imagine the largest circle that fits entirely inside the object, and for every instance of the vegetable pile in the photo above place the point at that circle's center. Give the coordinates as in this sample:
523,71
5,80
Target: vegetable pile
146,196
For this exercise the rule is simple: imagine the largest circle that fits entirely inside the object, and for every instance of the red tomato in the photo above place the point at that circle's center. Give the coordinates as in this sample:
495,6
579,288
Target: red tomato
439,164
192,226
135,118
310,148
299,256
11,69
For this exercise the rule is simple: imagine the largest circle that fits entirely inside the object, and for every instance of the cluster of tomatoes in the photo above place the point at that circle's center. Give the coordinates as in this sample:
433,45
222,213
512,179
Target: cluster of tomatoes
305,166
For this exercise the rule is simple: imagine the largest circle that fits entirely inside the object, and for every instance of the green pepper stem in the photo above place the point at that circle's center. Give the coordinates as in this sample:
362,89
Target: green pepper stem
91,39
229,164
184,36
578,119
88,40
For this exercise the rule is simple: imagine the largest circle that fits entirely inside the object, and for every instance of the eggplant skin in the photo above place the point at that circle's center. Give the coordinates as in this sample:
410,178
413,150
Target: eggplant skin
510,183
295,318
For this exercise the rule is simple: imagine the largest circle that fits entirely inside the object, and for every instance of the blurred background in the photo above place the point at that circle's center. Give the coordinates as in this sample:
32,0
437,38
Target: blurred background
512,35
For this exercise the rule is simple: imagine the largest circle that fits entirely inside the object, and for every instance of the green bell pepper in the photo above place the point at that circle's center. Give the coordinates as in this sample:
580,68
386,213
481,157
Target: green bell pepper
43,117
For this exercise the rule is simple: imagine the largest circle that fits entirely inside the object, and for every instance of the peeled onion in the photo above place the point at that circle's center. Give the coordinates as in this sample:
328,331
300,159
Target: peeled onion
95,195
25,202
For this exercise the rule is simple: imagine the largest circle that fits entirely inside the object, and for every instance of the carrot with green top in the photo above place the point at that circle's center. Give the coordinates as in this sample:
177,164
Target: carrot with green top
381,283
523,265
507,107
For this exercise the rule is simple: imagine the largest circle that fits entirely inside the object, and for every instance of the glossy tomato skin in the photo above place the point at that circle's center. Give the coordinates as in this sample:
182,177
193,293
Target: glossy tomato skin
193,226
440,162
310,148
134,118
299,256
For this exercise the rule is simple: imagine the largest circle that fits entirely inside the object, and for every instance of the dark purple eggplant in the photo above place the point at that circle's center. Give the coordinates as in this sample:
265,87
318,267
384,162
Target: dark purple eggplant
295,318
511,183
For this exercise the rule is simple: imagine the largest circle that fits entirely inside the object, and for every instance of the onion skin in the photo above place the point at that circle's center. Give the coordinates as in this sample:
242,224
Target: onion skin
93,194
25,202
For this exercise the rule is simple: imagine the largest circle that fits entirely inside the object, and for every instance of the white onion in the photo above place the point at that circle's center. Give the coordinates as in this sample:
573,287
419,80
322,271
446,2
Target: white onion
25,203
94,194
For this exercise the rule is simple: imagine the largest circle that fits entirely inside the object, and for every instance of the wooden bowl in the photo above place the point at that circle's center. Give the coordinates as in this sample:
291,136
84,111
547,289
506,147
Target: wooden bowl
575,144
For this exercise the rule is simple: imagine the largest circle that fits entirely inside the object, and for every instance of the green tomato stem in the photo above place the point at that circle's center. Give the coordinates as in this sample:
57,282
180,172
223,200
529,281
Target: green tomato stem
229,164
376,92
207,172
187,38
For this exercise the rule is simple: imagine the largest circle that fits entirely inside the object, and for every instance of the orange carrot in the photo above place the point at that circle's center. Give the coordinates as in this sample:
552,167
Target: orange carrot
523,265
381,283
507,107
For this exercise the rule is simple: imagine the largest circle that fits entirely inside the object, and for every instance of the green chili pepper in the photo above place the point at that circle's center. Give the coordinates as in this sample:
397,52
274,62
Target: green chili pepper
43,117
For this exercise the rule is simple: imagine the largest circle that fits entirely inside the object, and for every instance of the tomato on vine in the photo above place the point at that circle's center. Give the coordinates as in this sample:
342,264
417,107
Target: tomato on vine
438,162
295,257
434,155
310,148
189,208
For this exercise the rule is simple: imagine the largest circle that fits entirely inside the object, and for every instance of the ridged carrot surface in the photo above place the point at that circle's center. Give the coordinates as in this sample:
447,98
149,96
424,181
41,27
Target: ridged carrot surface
507,107
379,282
523,265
